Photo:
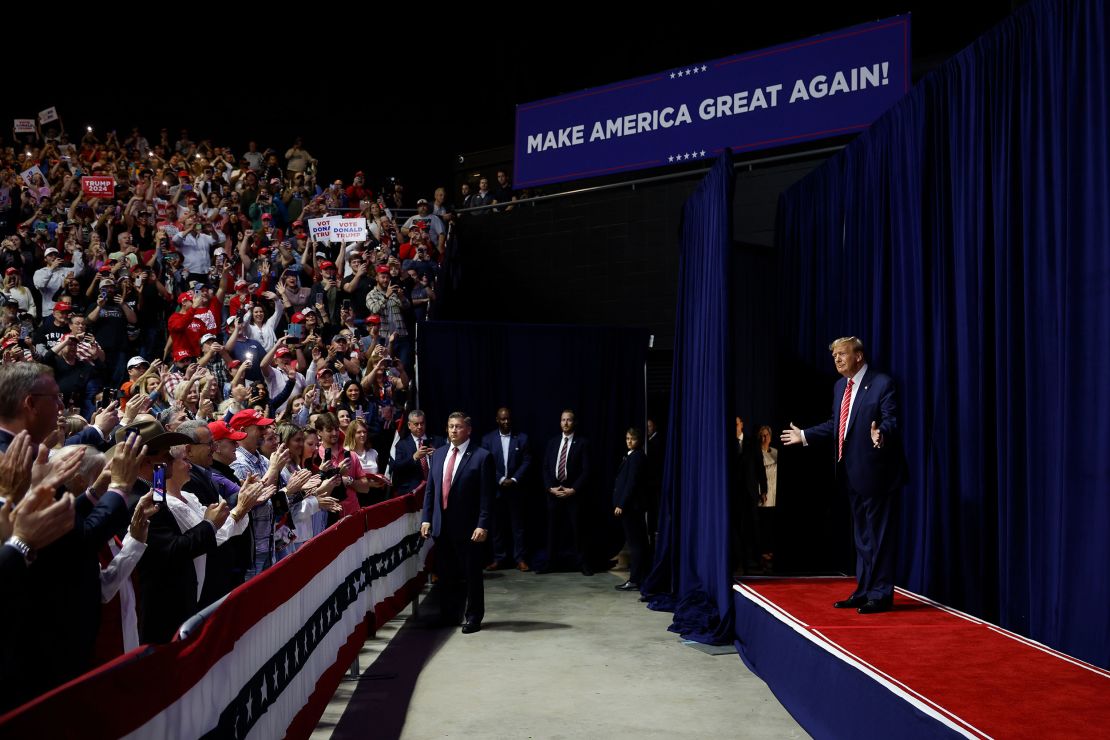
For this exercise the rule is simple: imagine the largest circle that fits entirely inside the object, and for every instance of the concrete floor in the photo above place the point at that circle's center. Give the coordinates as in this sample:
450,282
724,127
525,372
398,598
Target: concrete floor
559,656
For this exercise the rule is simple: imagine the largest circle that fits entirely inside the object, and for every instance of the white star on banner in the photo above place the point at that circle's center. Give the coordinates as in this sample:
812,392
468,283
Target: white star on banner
703,152
288,668
685,156
250,703
688,72
670,158
703,68
672,75
696,70
263,690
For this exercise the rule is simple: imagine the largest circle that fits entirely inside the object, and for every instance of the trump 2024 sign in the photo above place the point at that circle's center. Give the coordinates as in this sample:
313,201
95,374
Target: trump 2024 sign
828,85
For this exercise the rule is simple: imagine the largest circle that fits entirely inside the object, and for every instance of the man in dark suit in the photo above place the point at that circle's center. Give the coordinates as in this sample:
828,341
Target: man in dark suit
870,468
630,506
512,460
566,472
457,504
409,462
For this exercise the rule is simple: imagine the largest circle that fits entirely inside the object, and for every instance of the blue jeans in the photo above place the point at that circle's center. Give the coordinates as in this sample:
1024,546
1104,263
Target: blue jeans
262,561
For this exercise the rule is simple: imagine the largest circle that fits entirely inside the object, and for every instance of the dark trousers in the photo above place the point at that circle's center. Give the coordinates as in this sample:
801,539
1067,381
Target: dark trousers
459,564
562,514
508,524
873,531
635,535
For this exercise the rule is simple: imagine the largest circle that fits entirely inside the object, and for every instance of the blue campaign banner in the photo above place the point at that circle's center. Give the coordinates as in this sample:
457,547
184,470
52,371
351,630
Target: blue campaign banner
828,85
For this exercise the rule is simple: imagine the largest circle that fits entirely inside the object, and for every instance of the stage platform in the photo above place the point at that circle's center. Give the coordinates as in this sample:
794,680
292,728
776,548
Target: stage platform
922,670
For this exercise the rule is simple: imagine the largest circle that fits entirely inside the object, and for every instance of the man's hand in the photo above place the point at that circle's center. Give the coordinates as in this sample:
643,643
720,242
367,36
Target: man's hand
425,529
876,436
479,535
422,452
508,483
791,436
126,460
108,419
617,511
15,471
217,514
140,520
38,520
137,404
43,473
280,458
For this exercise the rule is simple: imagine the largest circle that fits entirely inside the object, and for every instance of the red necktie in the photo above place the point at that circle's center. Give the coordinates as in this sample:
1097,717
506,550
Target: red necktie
448,473
844,405
561,468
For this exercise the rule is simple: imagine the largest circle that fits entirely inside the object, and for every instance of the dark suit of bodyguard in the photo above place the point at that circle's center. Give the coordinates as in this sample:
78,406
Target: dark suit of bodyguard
457,504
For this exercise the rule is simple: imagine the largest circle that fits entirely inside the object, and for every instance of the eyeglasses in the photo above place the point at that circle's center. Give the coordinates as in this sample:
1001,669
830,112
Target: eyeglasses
58,397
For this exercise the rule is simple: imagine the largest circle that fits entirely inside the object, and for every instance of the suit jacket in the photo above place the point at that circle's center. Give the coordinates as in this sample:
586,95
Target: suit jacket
629,490
167,578
407,474
90,435
871,471
520,458
470,500
57,614
578,463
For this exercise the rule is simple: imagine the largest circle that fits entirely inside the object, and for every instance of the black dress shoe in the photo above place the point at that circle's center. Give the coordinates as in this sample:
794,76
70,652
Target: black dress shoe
628,586
851,602
471,627
874,606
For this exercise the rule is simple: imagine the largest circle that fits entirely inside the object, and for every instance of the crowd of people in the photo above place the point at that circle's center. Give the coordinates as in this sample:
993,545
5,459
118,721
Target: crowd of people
191,386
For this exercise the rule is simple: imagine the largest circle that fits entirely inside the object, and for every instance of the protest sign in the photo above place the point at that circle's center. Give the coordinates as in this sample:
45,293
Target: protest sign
24,126
48,115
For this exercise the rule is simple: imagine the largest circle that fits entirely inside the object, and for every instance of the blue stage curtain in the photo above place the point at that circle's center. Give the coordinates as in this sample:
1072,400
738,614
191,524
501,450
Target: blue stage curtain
692,559
966,238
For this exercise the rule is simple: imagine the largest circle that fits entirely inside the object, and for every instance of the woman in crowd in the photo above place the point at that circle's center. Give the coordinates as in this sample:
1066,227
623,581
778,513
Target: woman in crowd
261,328
182,534
768,497
358,443
301,505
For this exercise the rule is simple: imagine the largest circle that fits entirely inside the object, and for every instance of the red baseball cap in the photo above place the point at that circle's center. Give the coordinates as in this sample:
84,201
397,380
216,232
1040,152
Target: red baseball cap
382,268
220,430
184,298
11,271
181,354
249,417
283,352
62,306
297,318
327,265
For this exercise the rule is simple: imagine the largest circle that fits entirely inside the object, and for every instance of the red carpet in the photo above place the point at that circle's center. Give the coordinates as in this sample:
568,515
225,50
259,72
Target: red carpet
981,680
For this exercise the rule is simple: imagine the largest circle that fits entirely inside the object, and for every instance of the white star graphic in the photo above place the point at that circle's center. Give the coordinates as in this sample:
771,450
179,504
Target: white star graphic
685,156
696,70
670,159
288,669
250,703
703,68
703,152
672,75
688,72
263,691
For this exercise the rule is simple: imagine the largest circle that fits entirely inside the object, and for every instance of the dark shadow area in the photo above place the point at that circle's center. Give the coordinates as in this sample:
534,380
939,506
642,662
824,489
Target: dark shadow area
523,626
381,700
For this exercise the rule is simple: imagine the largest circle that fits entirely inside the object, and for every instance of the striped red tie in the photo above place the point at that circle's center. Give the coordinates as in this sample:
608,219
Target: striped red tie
844,404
